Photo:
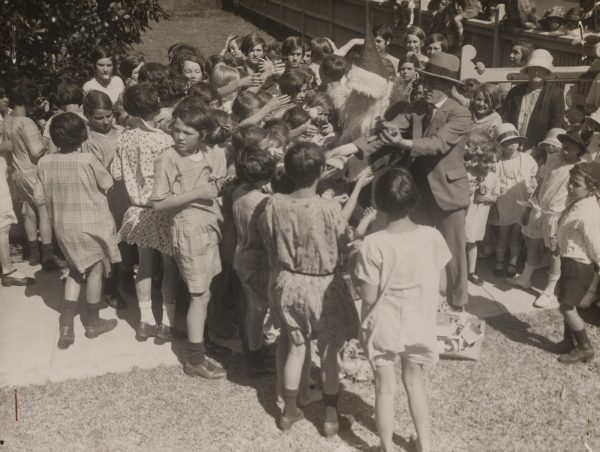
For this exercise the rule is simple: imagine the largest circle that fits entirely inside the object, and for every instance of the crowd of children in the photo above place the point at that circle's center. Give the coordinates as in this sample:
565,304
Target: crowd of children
230,173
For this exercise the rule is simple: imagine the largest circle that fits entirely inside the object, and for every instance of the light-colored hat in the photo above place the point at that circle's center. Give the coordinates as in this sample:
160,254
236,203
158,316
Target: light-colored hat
551,138
508,132
595,116
539,58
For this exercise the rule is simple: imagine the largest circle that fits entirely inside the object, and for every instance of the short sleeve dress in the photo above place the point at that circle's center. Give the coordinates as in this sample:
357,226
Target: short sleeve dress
477,213
137,149
517,182
194,229
27,144
251,261
73,187
405,266
304,237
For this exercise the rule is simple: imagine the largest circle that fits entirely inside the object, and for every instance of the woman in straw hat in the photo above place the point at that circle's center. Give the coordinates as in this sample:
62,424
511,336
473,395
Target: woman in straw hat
536,106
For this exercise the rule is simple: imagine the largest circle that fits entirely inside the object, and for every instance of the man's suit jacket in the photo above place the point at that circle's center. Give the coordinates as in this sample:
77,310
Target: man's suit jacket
547,113
438,151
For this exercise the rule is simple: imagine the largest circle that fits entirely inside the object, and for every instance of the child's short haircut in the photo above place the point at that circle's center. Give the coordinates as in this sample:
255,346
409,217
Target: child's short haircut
396,193
250,41
291,82
384,31
332,68
245,105
96,100
223,131
141,100
68,93
212,62
526,48
248,135
491,95
101,52
590,171
196,114
153,72
438,37
24,92
223,75
256,165
206,92
68,131
281,182
304,163
278,130
290,44
129,62
320,47
171,90
176,66
295,117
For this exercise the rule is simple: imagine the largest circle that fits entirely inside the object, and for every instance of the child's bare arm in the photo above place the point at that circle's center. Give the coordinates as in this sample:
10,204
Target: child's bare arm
206,192
364,179
368,292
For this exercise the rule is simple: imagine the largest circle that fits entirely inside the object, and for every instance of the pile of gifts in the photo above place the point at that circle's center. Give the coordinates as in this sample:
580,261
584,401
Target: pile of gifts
459,335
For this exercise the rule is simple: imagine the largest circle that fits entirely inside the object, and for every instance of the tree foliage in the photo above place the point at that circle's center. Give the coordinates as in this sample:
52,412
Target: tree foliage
46,40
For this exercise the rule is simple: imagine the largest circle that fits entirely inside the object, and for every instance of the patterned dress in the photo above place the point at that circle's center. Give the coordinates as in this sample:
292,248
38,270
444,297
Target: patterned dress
304,236
251,261
137,149
194,230
104,147
73,187
27,144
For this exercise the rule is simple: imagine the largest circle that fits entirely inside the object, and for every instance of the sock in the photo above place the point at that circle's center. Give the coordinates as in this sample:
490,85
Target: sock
290,400
195,353
168,317
568,334
527,272
34,250
551,285
47,251
68,311
583,341
93,313
146,314
331,401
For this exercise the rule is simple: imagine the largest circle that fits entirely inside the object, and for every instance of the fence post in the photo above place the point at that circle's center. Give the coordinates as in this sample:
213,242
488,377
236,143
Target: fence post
330,16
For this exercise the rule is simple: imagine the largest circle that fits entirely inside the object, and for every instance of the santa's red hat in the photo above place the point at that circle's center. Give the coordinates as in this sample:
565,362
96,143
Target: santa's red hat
370,75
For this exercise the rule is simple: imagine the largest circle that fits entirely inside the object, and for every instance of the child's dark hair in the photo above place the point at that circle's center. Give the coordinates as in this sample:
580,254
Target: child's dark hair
384,31
526,48
196,114
249,135
396,193
295,117
320,47
96,100
211,63
68,131
223,132
438,37
291,82
332,68
304,163
250,41
153,72
580,169
281,182
68,93
245,105
171,90
99,53
176,66
290,44
255,165
141,100
24,92
129,62
205,92
278,130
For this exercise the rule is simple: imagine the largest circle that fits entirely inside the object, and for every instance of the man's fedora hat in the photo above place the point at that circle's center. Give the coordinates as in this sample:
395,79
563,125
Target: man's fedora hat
443,66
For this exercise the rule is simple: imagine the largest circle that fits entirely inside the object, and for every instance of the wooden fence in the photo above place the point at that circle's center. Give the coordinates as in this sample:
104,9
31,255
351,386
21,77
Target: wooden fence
342,20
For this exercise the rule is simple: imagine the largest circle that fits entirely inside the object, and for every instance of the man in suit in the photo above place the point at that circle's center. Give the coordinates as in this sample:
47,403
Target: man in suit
433,131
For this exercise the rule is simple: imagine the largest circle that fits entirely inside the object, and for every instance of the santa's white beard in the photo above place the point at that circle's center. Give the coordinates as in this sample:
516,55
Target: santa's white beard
359,114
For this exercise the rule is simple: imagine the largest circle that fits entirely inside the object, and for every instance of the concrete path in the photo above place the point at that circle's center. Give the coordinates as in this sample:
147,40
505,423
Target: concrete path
29,331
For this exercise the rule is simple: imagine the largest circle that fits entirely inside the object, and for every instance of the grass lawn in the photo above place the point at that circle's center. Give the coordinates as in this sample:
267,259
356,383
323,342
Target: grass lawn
517,397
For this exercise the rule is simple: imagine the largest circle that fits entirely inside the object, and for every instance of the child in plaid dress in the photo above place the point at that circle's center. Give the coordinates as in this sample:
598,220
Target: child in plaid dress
73,186
27,149
137,149
304,233
251,261
185,185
